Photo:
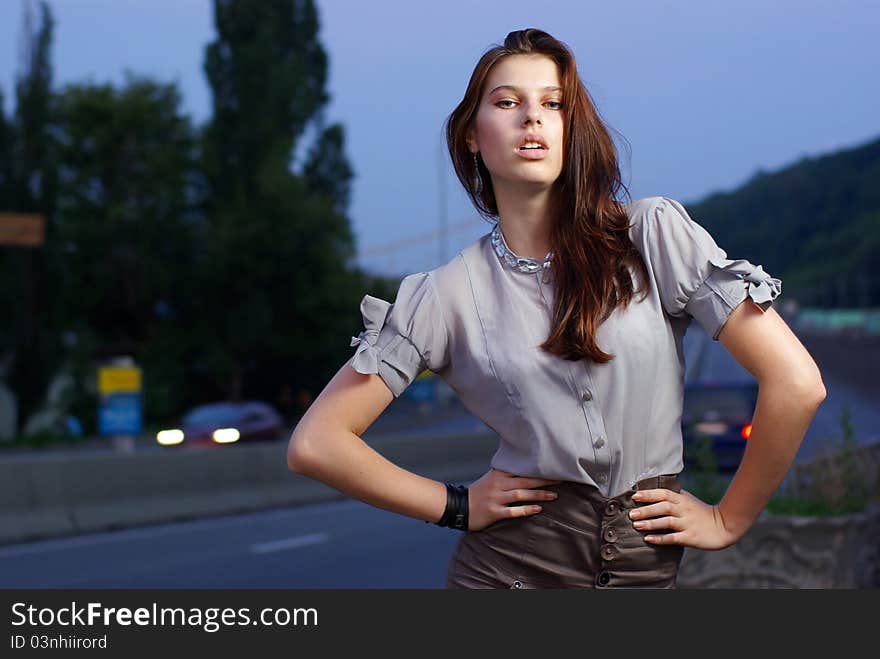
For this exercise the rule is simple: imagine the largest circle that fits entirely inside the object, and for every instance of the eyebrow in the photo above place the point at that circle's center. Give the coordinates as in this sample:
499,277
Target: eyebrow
549,88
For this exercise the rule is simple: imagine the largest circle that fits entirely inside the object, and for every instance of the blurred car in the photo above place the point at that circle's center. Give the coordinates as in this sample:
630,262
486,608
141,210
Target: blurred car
224,423
719,413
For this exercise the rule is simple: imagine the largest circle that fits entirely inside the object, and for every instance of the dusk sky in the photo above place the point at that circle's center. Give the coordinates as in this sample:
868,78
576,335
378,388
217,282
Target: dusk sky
705,93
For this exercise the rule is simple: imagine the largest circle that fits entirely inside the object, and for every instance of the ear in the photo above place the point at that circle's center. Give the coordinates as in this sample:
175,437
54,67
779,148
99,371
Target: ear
471,141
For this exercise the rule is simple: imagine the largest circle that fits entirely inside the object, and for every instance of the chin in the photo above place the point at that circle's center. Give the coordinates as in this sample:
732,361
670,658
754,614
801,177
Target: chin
537,181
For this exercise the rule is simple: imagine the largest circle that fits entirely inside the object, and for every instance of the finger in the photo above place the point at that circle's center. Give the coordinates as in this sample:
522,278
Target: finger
521,511
658,524
658,494
527,481
665,539
653,510
515,496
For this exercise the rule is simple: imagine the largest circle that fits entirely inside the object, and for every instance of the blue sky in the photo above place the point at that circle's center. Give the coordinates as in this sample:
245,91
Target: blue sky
704,92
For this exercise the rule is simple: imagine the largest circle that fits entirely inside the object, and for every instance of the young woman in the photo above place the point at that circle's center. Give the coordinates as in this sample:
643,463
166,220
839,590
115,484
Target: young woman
538,329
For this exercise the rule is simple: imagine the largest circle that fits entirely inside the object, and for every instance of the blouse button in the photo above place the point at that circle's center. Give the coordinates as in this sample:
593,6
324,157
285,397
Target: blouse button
601,478
587,395
599,443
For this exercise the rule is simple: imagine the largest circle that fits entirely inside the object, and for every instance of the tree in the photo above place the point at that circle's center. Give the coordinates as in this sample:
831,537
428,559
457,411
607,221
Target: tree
327,170
28,176
6,159
278,300
126,236
267,72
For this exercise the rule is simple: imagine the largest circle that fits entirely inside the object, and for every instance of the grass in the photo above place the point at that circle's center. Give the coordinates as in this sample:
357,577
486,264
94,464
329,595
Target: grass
836,483
59,440
704,480
41,440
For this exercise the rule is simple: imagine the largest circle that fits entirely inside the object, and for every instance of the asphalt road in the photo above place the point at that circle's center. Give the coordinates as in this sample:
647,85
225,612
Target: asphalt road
345,544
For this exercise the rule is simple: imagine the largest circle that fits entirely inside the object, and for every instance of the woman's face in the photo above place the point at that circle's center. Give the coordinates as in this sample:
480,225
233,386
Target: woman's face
522,96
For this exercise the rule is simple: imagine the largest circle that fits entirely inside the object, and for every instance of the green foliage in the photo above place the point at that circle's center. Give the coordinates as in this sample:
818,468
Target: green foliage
276,245
41,440
327,170
704,481
126,244
198,251
28,177
815,224
267,70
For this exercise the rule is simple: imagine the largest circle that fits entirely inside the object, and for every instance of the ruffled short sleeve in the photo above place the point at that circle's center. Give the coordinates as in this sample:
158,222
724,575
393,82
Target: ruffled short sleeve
692,273
401,340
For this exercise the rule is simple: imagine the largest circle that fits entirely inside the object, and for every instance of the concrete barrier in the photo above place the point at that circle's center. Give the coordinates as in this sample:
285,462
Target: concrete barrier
57,494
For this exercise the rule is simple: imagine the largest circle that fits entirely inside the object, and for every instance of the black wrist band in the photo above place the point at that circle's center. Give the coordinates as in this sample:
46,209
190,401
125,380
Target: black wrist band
457,507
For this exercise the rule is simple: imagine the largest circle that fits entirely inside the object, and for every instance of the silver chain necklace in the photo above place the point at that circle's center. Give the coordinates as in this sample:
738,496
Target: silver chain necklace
521,263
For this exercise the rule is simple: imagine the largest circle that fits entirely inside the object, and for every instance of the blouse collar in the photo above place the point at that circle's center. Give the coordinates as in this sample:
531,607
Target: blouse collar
513,260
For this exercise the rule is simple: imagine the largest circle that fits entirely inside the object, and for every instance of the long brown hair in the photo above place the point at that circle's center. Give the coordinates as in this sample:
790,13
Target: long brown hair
589,226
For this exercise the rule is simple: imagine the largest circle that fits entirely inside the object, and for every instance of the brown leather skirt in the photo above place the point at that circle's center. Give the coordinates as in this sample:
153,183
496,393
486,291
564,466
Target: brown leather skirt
582,539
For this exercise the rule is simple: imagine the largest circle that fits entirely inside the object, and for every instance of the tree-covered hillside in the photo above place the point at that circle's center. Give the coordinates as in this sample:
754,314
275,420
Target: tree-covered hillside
814,224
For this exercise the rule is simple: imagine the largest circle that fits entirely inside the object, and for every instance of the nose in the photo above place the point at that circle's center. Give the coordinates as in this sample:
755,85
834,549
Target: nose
533,114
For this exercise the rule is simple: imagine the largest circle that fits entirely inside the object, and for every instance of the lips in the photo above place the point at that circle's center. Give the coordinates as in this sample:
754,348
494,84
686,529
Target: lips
532,154
532,137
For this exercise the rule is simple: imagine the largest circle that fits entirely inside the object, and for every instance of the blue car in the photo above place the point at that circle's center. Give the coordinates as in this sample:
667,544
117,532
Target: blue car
719,413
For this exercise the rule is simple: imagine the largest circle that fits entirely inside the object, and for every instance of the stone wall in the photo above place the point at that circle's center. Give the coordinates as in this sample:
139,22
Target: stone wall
786,551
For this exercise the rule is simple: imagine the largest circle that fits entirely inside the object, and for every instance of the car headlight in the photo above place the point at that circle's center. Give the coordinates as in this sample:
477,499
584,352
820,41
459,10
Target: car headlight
225,435
169,437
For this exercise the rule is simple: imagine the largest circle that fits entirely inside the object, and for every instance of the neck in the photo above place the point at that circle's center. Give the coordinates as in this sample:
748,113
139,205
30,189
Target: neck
523,219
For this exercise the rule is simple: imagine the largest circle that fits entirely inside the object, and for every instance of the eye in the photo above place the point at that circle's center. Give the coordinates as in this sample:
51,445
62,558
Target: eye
507,100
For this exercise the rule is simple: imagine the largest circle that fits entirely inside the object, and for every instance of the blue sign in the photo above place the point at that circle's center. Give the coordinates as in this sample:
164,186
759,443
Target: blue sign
422,389
119,414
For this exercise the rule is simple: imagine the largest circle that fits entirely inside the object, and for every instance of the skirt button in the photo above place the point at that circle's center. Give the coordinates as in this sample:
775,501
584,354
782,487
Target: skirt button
608,552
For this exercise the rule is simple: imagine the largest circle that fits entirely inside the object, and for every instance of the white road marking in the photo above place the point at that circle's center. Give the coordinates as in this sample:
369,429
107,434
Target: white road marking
175,528
290,543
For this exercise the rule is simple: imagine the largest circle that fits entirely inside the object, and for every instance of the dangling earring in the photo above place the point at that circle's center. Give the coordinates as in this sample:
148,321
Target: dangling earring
478,180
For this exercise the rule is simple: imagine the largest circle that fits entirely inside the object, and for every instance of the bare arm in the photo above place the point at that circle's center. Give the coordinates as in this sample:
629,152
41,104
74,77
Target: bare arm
326,445
790,390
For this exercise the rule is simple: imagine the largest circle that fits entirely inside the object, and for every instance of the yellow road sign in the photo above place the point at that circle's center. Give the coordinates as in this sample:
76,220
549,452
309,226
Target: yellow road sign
119,379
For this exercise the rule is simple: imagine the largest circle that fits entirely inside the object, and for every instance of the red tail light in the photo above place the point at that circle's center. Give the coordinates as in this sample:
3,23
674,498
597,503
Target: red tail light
746,431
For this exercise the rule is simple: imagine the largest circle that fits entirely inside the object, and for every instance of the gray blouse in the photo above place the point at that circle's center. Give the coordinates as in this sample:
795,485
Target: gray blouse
477,322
